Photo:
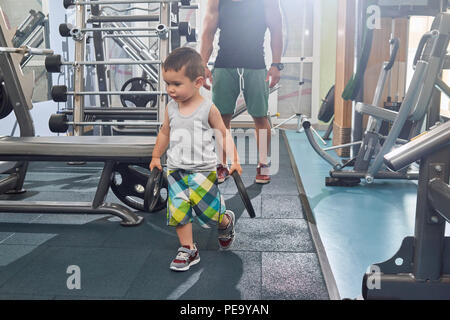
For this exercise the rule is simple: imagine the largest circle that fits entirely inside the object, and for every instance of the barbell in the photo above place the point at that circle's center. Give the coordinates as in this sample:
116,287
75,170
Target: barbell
70,3
53,63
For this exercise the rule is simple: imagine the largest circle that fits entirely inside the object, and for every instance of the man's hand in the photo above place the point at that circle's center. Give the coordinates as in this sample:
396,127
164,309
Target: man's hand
208,76
235,166
156,163
274,76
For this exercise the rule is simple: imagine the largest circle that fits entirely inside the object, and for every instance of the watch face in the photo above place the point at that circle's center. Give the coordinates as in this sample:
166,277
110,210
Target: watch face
279,66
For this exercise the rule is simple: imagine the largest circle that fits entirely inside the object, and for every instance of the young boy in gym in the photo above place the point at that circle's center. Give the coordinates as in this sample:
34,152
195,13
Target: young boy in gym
191,161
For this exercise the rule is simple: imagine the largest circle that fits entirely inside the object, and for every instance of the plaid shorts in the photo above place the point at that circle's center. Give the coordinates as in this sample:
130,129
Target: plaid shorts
194,194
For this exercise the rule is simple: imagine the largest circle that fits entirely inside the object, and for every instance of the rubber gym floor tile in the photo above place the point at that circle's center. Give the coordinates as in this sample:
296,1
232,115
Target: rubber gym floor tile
61,182
10,253
13,258
104,272
4,236
230,187
292,276
218,275
288,235
9,217
235,204
250,283
34,239
281,206
68,219
278,185
152,233
85,235
16,297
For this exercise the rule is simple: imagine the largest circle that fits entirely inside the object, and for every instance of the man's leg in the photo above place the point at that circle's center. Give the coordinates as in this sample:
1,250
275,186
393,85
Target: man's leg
263,138
256,95
224,94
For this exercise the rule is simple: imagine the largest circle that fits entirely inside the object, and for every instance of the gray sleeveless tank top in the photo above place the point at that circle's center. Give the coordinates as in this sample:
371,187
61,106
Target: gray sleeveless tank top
191,139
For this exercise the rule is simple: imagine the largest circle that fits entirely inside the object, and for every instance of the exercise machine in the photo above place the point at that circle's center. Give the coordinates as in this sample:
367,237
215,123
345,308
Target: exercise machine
421,268
429,61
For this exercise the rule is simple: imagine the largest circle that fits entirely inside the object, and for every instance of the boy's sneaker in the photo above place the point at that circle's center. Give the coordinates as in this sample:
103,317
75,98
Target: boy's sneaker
222,173
262,173
226,236
185,259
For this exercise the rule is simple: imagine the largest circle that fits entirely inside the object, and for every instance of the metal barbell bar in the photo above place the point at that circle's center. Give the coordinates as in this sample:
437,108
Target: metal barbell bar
26,50
53,63
59,123
69,3
67,30
60,93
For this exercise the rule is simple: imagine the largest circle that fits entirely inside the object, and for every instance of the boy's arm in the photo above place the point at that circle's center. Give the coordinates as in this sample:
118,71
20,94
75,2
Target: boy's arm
163,139
210,24
224,139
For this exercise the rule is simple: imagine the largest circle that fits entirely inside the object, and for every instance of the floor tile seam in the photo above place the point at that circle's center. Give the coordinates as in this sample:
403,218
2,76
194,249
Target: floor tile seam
137,275
25,265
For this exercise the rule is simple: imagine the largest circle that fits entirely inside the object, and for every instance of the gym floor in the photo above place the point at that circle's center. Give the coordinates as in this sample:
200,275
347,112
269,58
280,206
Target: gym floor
359,226
273,256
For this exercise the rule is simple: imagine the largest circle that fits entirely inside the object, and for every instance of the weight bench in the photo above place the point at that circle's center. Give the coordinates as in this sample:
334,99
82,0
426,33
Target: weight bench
113,151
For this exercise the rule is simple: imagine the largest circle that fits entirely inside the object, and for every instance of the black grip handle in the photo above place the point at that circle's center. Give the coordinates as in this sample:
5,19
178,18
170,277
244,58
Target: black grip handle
396,44
421,45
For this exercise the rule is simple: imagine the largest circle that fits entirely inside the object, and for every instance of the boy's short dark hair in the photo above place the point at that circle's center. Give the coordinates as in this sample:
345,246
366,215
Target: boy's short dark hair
185,57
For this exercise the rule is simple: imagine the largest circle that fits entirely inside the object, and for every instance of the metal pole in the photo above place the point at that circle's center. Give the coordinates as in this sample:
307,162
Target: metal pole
164,50
80,55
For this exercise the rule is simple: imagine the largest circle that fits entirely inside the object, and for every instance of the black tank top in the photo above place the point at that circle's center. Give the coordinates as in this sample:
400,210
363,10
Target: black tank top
242,27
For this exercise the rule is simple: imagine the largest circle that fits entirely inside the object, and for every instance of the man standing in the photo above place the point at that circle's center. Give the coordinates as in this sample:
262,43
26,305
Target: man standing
240,66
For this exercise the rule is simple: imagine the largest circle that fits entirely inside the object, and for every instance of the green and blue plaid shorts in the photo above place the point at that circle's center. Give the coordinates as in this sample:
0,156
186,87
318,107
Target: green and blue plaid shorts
194,194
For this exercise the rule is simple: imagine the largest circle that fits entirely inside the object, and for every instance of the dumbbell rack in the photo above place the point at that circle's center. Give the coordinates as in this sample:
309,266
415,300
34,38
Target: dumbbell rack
116,28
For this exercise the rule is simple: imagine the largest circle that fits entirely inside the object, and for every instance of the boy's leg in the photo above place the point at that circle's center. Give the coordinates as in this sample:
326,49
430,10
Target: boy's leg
179,215
210,208
185,235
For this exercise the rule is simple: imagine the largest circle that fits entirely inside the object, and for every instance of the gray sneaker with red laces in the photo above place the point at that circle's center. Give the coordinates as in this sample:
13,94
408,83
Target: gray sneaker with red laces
226,236
185,259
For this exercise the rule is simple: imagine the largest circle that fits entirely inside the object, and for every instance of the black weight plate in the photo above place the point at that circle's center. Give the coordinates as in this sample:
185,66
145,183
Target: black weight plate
152,190
326,111
5,106
244,195
126,190
140,101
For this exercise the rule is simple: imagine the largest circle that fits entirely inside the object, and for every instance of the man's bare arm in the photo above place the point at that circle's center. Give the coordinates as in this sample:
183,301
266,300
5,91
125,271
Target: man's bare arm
210,24
274,22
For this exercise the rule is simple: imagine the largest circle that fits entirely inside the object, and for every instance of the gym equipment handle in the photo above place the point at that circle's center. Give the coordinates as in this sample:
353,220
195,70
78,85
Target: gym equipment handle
423,41
396,43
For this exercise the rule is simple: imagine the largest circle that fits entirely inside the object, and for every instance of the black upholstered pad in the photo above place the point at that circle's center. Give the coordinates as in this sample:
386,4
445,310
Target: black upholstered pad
86,148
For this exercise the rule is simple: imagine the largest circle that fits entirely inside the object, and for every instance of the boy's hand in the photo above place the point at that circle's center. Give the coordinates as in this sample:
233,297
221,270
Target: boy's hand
236,167
156,163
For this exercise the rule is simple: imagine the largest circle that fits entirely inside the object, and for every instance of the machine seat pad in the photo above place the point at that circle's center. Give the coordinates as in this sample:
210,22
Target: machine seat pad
135,149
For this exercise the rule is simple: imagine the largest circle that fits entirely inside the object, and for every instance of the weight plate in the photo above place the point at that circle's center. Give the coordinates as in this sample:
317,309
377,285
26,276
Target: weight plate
244,195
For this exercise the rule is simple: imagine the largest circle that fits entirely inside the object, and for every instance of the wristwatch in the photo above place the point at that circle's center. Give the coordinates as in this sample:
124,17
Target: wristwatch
279,66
